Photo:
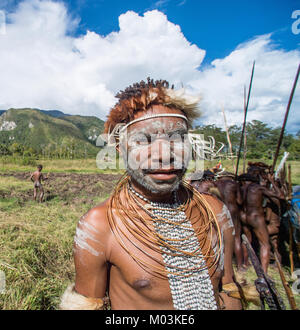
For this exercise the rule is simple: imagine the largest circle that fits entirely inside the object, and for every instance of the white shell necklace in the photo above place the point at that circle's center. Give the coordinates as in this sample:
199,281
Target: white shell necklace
194,290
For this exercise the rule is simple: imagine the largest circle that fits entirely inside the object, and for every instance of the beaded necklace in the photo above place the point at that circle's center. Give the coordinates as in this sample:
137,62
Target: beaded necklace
194,291
183,263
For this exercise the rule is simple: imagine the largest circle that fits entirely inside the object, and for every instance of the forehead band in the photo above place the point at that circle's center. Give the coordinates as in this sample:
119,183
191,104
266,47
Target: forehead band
118,131
153,116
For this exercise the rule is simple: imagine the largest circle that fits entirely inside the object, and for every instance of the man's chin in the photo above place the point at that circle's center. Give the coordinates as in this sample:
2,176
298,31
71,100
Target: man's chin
157,184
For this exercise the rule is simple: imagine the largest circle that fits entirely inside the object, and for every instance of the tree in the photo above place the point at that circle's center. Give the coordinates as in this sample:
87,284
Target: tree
4,151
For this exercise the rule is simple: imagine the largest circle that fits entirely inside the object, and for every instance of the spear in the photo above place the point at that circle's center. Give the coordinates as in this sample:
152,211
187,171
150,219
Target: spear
228,137
245,136
285,119
287,289
244,124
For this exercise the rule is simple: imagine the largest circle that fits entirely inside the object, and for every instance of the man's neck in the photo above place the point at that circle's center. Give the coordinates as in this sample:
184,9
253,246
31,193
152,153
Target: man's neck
153,197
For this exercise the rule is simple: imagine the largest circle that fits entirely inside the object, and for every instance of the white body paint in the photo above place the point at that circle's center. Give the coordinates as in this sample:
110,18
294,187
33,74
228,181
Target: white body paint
85,232
225,222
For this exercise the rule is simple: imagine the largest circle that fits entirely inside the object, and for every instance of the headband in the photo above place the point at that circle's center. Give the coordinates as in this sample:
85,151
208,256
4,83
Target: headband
153,116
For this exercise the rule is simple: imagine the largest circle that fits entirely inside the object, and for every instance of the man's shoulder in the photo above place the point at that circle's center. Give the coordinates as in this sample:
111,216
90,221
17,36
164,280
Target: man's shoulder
96,217
220,211
214,202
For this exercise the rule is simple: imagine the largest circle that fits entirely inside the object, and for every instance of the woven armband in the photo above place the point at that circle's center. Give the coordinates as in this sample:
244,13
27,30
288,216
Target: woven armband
72,300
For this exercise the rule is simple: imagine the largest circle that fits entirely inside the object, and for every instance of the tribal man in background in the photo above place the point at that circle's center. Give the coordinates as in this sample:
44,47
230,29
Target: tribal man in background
156,243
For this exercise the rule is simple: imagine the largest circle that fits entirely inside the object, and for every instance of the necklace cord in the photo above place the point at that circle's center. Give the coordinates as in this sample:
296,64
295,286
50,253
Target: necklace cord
128,211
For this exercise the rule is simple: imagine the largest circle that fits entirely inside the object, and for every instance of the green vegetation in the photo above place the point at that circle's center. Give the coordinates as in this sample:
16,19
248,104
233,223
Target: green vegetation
261,139
35,133
36,240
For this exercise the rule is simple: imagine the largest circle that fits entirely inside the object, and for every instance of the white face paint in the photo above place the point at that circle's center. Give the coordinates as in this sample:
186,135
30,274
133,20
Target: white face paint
154,145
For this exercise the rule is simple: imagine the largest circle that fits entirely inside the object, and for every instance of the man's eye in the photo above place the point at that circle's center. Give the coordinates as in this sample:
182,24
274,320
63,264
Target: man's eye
142,142
176,140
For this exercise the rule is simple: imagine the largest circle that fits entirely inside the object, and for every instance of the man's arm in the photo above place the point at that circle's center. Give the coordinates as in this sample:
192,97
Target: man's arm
90,257
31,176
44,177
227,230
228,277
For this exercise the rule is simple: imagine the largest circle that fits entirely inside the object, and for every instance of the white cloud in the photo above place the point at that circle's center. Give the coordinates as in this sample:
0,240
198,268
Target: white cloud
43,66
223,84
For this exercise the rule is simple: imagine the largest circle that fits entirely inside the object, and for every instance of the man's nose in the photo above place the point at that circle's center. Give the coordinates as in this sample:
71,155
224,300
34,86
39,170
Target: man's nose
161,151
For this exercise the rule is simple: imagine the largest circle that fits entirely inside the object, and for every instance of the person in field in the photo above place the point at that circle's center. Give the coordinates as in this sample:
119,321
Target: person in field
37,177
155,243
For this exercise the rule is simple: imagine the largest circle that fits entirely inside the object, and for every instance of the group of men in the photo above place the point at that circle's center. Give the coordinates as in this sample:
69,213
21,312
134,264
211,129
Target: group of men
256,202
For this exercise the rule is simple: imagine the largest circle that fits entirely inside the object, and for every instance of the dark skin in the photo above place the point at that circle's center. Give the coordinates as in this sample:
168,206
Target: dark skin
203,186
275,207
111,268
37,178
254,218
231,196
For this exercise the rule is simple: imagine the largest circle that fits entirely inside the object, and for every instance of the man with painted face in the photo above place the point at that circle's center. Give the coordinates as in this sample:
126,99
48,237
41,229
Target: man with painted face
156,243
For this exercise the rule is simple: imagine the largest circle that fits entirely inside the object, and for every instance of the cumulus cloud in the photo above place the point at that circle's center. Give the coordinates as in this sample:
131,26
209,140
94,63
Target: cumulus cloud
222,85
44,65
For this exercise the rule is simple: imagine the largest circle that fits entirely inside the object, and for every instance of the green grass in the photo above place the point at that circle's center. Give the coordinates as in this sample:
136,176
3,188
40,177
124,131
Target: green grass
273,272
36,252
7,204
9,184
36,242
56,166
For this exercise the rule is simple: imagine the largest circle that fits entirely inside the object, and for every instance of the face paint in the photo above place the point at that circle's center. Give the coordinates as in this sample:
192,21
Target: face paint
154,147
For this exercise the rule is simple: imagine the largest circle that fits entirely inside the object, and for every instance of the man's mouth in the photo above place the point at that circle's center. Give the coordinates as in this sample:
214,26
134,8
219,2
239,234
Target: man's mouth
163,174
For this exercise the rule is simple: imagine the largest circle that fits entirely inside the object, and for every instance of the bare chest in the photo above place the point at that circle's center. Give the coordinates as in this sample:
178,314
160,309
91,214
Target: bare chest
138,271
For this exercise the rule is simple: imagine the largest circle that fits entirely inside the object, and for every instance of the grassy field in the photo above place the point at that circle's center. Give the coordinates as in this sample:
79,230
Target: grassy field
36,239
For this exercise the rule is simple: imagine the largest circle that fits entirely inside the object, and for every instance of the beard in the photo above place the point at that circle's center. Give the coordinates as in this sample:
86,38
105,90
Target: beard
155,186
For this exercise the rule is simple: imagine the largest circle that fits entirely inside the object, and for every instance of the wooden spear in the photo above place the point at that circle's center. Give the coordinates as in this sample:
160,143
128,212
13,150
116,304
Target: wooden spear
287,289
285,120
290,193
245,136
290,189
228,137
244,124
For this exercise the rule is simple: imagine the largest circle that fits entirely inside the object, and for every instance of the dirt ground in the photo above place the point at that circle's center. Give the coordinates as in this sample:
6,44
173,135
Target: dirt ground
69,187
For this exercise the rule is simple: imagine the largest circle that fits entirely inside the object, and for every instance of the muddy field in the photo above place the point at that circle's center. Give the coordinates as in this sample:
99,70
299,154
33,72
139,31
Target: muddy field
69,187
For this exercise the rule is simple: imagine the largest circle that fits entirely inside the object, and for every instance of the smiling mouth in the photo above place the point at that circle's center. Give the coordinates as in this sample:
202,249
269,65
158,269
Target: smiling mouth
163,174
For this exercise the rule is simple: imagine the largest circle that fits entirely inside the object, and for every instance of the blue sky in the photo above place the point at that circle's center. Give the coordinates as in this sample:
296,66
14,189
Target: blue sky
217,26
76,54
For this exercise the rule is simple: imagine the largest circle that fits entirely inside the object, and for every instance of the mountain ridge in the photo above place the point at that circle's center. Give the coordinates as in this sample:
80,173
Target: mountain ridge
40,129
